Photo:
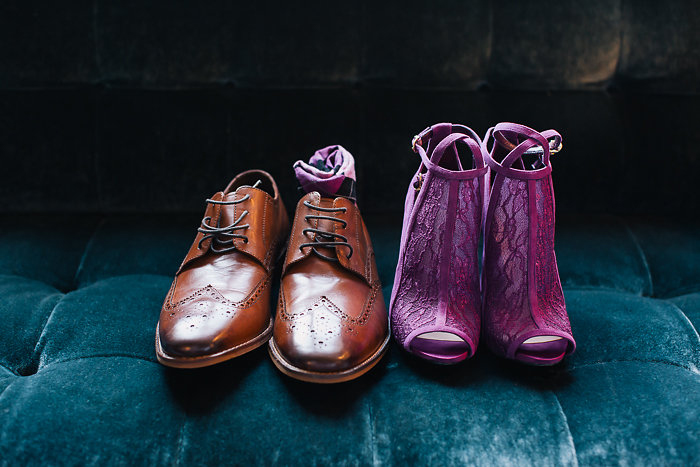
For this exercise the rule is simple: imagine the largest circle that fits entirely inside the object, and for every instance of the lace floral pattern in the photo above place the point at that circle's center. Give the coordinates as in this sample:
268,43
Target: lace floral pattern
416,301
550,310
508,311
464,304
506,307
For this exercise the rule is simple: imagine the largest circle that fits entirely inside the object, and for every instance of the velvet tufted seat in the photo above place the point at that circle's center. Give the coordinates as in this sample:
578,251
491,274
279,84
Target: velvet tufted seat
117,120
79,379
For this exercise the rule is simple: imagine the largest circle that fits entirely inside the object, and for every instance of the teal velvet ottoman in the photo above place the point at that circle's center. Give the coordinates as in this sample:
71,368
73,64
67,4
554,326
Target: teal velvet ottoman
79,383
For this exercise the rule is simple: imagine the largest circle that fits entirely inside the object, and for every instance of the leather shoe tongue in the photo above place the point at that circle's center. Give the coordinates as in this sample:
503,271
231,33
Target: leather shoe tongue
232,212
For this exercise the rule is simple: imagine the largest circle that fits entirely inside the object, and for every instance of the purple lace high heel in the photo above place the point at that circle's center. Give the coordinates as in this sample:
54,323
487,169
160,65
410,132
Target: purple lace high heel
436,301
524,314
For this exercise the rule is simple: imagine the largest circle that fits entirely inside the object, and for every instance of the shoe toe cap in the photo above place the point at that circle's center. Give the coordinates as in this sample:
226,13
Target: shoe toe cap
310,356
319,340
205,329
190,337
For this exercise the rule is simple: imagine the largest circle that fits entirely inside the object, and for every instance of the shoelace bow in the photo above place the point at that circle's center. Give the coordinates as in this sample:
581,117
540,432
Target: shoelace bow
224,236
323,238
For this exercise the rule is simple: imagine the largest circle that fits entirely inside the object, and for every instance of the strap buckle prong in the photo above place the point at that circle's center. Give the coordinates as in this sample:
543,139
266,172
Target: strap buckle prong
417,140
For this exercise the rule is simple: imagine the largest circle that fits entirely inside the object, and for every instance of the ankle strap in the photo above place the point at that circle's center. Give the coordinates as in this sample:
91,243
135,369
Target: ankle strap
449,136
545,143
445,128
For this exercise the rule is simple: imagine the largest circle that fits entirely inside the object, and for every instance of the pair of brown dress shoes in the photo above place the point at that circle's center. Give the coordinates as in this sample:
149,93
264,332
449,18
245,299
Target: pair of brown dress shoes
331,322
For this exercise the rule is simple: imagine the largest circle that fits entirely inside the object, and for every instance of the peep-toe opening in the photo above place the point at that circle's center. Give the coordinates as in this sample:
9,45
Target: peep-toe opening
542,347
443,344
549,352
440,344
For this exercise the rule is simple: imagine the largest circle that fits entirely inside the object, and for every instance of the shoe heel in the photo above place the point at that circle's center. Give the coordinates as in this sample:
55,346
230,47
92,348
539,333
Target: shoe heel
436,299
524,314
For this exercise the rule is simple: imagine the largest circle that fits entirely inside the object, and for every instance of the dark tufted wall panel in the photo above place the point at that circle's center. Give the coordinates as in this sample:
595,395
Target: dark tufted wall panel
512,45
136,150
142,106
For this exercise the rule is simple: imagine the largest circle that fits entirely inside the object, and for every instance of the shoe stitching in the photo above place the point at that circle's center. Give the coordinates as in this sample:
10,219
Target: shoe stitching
211,290
375,356
292,239
255,339
359,321
263,228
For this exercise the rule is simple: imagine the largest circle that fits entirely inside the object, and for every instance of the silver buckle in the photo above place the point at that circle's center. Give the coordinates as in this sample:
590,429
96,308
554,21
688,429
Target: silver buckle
552,150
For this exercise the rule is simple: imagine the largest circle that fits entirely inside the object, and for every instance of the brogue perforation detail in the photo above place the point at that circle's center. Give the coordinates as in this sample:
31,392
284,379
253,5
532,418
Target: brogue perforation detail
359,321
216,295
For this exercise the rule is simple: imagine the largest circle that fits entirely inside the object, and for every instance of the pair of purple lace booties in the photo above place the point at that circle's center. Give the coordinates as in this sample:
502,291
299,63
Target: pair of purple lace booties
440,304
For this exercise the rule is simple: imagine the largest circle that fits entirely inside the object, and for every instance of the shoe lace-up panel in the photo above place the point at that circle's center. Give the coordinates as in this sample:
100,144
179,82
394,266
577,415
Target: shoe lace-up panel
222,237
238,222
324,238
331,230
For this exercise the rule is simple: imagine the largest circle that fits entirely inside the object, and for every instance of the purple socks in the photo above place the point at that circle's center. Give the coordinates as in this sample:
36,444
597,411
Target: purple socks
330,171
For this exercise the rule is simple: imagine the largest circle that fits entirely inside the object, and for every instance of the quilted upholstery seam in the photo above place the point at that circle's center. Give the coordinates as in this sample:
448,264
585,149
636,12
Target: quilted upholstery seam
86,357
5,388
633,360
372,432
680,291
43,328
602,288
120,276
568,428
58,291
5,421
12,372
690,323
643,255
27,278
88,247
180,442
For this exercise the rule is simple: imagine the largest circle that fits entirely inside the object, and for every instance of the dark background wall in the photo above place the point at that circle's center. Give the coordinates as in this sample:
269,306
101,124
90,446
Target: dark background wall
154,105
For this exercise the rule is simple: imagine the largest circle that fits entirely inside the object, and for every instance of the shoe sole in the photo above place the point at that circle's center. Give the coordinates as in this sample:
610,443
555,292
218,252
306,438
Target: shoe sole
534,361
213,359
325,377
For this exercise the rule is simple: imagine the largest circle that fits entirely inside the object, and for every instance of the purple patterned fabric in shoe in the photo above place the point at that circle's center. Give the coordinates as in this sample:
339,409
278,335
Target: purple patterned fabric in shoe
436,287
330,171
522,294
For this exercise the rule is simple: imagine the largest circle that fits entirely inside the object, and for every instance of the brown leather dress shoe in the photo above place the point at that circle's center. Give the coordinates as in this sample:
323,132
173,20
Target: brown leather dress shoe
218,306
331,324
